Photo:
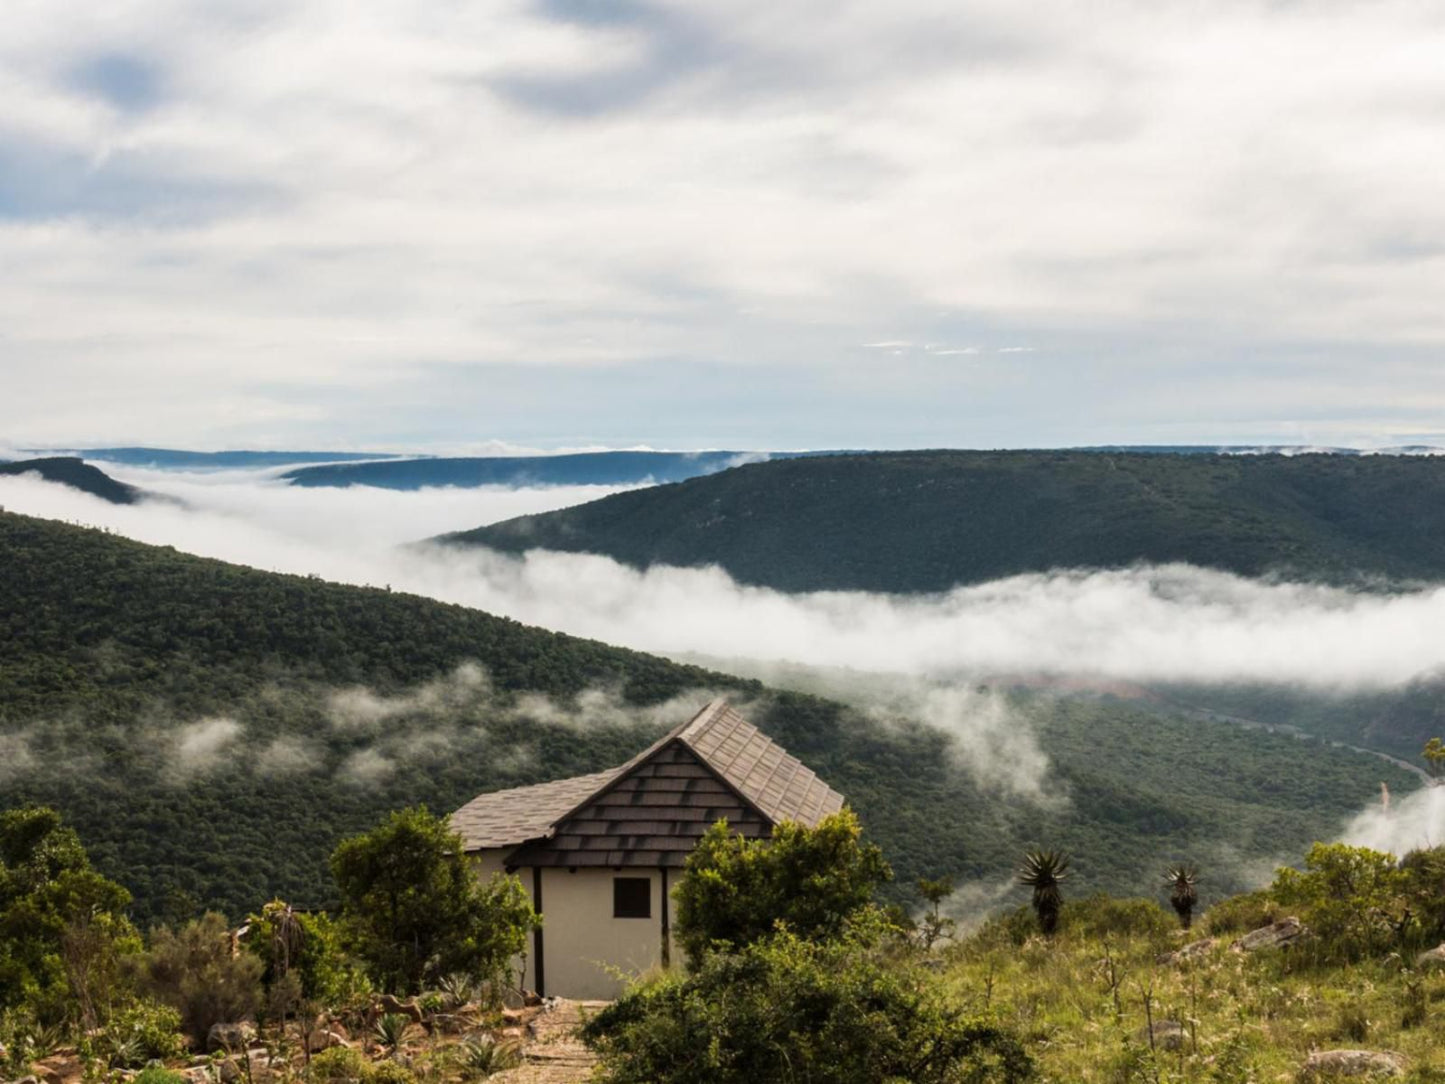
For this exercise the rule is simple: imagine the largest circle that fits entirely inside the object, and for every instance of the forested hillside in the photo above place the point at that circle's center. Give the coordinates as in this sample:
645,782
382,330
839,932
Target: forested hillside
582,468
212,731
927,521
77,474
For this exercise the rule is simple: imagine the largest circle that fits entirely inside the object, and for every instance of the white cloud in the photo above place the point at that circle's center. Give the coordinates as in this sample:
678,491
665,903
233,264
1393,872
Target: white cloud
313,200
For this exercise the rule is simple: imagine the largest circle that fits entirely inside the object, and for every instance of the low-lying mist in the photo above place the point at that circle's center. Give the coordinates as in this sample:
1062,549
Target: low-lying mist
1169,623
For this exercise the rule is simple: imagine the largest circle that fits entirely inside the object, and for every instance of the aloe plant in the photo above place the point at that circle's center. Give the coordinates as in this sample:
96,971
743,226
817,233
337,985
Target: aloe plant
1182,881
1042,871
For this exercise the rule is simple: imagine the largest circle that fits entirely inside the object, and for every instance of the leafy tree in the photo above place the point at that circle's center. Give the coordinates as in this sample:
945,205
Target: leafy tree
813,1011
413,907
1043,871
1434,754
304,946
1354,899
194,970
1183,884
812,880
63,928
934,926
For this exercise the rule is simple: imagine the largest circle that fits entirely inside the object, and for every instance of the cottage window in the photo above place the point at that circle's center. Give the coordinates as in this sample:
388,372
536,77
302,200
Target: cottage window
631,897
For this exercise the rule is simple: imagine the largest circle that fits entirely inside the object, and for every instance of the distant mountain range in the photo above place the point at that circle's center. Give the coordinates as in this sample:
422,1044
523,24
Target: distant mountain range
928,521
582,468
72,472
179,459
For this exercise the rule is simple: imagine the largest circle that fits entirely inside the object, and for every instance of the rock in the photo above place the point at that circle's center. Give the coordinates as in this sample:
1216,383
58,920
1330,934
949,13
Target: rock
323,1039
1167,1035
196,1074
530,998
232,1071
230,1036
1191,951
511,1033
26,1080
1431,959
1332,1064
48,1074
1284,932
410,1009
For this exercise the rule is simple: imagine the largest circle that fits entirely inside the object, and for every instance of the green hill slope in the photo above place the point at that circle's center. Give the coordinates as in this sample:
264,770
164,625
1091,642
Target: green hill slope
927,521
73,472
213,730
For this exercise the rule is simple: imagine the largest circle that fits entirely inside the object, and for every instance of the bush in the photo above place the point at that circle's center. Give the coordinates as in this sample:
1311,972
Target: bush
813,880
1356,901
389,1072
194,971
339,1065
786,1008
1104,917
155,1074
1242,913
136,1034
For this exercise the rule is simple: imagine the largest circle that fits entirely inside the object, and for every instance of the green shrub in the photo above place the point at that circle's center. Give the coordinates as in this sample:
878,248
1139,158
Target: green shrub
389,1072
1242,913
736,890
786,1008
483,1056
155,1074
1355,900
339,1065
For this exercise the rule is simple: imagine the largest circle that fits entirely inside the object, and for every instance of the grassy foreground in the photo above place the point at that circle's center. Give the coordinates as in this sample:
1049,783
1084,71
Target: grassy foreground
1083,1000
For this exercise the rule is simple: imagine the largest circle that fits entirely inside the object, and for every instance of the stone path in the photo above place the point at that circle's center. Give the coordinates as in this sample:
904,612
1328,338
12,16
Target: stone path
552,1052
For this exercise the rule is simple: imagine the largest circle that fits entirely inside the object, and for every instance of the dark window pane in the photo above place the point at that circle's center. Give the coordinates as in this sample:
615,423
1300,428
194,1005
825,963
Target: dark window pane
631,897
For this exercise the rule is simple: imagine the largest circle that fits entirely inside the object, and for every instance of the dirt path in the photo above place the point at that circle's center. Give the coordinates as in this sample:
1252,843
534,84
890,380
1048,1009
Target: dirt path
553,1054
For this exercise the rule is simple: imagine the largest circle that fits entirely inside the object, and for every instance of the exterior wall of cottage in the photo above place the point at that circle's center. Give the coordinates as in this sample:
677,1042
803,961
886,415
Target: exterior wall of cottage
582,944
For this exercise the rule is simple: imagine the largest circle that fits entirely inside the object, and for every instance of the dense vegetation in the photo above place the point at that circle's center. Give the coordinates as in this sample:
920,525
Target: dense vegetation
213,731
928,521
72,472
581,468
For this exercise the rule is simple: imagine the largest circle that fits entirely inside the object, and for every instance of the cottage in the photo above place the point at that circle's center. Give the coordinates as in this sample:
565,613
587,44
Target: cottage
599,853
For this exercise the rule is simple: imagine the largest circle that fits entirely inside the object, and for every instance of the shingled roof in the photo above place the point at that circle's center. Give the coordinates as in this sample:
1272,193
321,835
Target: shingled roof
651,810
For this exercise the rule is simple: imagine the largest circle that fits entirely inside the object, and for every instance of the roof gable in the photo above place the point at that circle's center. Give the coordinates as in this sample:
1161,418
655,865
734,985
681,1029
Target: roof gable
715,762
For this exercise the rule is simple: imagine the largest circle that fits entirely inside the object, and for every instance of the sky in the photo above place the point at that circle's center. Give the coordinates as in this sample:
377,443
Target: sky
563,223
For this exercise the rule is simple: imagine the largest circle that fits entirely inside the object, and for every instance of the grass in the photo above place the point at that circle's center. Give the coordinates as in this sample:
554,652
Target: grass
1083,1001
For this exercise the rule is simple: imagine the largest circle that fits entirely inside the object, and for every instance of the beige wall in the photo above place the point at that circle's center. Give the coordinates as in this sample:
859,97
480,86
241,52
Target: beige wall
582,943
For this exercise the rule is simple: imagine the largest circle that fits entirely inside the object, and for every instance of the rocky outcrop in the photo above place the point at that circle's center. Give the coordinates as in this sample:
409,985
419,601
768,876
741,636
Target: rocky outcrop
1191,951
232,1036
320,1039
1276,935
1431,959
1350,1064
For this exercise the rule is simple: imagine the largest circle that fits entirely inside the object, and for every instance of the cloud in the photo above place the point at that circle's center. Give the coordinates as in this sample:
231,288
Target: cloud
418,224
1409,823
1147,624
200,747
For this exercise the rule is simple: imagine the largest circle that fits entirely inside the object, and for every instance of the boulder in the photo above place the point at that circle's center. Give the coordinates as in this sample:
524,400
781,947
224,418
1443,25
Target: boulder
320,1039
1191,951
196,1074
1338,1064
410,1009
233,1072
1276,935
230,1036
48,1074
1431,959
1166,1035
